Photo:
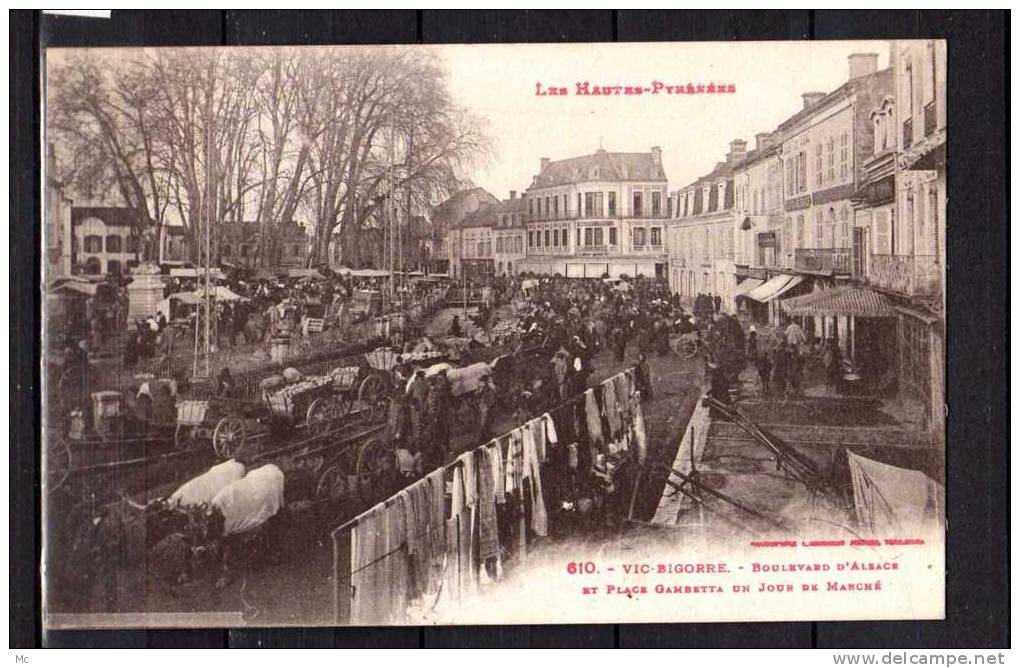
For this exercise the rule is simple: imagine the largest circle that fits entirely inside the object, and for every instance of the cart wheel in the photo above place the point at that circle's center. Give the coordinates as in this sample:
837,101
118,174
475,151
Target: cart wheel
332,483
687,348
319,416
58,464
186,437
372,398
228,437
376,463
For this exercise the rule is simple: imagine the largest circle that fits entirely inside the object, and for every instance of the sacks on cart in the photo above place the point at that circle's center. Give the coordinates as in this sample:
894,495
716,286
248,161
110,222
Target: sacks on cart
248,503
205,487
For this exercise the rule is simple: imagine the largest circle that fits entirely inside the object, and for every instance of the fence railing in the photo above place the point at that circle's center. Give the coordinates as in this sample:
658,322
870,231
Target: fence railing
823,260
909,275
929,118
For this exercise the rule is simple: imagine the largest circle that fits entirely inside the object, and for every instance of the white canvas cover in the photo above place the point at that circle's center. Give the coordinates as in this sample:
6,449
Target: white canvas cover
247,503
206,486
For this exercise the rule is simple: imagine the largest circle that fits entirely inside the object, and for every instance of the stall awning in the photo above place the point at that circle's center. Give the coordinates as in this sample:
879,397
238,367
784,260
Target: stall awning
304,273
219,292
746,286
191,272
770,288
848,300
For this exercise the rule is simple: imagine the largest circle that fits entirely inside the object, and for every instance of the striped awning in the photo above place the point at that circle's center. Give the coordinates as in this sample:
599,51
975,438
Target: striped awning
746,286
854,301
770,288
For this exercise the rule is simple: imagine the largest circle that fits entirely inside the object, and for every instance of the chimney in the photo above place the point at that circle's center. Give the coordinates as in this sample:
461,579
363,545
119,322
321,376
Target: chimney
812,98
738,150
657,155
545,163
513,195
862,64
762,140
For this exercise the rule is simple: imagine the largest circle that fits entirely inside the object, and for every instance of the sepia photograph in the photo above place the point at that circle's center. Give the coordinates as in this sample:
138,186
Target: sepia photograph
493,334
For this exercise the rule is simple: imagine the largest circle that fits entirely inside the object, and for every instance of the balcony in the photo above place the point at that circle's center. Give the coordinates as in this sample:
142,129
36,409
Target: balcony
908,275
827,261
929,118
649,248
908,132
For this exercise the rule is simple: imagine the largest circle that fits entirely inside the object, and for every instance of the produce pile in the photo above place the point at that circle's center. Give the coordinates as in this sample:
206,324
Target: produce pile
282,400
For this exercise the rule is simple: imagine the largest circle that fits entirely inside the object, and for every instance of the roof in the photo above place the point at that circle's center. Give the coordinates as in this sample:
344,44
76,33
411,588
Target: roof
841,93
600,166
757,155
488,215
857,301
121,216
722,170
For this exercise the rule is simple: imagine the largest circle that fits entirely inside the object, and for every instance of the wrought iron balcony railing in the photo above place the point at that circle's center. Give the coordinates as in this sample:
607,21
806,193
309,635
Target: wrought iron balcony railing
823,260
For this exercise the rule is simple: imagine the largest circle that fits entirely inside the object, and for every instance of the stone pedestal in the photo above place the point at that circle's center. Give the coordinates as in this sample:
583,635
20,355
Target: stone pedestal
145,292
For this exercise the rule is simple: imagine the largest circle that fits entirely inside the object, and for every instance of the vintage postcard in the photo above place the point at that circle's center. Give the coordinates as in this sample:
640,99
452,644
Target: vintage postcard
494,334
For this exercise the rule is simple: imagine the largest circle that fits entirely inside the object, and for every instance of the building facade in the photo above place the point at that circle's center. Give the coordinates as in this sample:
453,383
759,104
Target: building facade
105,240
701,232
444,244
471,244
509,235
902,206
604,213
288,244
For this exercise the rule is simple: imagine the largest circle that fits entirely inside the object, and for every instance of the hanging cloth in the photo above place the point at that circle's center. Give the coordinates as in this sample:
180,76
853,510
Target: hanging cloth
611,408
539,519
640,439
495,458
890,500
488,532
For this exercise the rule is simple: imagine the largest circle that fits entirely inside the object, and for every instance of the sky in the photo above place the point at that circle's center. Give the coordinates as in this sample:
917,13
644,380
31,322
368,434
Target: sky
498,83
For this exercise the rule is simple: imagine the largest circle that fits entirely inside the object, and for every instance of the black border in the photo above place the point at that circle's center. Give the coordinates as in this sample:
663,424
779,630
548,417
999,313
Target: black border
977,375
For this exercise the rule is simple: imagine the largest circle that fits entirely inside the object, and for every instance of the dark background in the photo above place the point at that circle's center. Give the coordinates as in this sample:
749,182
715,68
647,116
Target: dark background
977,377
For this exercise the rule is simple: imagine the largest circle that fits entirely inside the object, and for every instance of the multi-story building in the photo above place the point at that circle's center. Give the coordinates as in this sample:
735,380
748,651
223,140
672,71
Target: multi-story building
471,244
444,219
901,209
104,239
758,221
824,146
509,233
701,231
597,214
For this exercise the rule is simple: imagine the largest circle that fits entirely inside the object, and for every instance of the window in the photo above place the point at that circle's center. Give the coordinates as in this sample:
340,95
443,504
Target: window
929,83
113,267
844,155
225,249
531,239
819,176
546,244
789,176
656,203
637,203
587,236
908,75
598,236
555,238
933,209
564,238
882,233
531,209
612,235
656,236
800,231
556,207
578,212
564,205
819,224
830,174
755,209
93,265
578,236
113,243
132,244
639,236
499,244
547,209
612,203
93,244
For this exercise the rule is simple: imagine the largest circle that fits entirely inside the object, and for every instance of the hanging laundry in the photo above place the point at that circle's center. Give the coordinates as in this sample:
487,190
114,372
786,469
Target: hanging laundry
611,409
495,450
533,474
514,464
469,477
890,500
488,532
640,439
550,432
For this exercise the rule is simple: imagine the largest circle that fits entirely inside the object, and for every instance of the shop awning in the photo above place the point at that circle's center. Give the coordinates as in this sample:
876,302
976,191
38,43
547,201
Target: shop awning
794,282
770,288
746,286
848,300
